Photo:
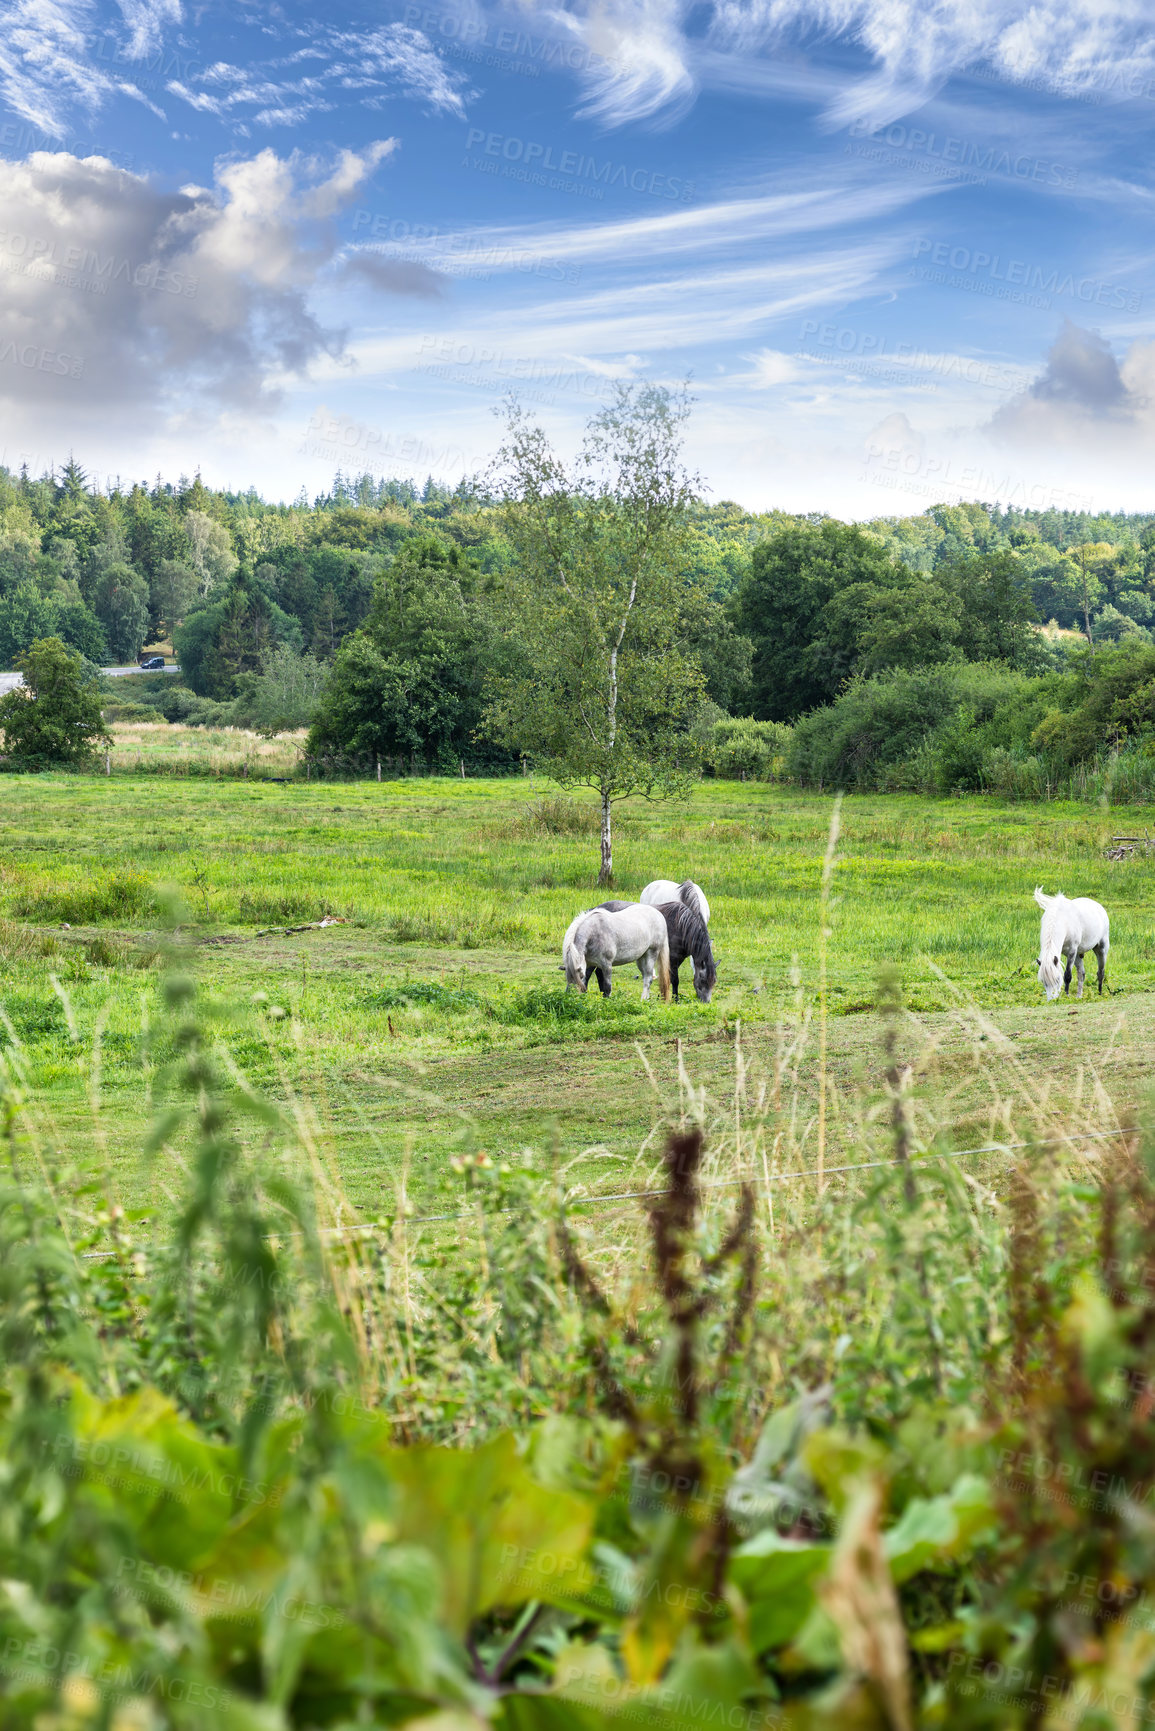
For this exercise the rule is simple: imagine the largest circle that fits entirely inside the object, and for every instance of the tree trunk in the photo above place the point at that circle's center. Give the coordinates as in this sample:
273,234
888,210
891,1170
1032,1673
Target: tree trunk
606,875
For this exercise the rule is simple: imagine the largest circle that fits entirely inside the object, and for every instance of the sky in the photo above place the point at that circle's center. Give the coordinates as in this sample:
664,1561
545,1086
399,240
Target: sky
901,253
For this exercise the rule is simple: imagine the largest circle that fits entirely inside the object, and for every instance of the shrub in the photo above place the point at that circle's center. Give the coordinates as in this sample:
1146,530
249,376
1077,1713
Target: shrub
54,718
743,749
430,994
885,732
284,695
555,814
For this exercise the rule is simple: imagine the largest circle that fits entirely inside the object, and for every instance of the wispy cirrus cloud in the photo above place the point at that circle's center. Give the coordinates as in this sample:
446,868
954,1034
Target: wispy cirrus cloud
370,67
655,54
632,244
46,68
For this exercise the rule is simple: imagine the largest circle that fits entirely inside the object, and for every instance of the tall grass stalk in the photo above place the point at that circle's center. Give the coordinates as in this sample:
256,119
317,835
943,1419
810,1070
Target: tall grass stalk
824,934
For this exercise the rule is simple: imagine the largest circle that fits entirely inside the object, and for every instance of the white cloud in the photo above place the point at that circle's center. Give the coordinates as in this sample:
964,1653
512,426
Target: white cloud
657,52
146,20
378,65
119,299
635,243
396,55
769,367
44,67
1084,396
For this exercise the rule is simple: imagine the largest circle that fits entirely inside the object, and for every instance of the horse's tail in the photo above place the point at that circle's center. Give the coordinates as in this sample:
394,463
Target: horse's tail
1043,901
664,965
574,958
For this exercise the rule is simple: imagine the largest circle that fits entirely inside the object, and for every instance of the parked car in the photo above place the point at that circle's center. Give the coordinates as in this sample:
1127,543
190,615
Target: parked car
152,664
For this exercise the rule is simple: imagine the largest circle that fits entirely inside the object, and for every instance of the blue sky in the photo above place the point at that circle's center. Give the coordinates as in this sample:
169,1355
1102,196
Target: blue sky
902,254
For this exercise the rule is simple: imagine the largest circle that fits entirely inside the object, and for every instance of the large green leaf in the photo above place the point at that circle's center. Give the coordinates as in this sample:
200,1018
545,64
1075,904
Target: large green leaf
775,1576
136,1454
935,1530
501,1538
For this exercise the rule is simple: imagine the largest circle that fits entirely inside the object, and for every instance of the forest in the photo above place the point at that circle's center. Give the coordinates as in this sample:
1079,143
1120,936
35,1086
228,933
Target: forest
968,647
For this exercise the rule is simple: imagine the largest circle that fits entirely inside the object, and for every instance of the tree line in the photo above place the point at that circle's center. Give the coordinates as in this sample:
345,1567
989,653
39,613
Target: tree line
570,612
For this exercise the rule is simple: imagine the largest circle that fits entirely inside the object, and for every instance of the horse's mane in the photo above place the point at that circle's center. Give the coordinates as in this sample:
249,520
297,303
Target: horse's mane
690,895
691,929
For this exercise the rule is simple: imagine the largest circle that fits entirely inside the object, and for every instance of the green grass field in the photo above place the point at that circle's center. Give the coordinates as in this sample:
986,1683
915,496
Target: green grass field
435,1017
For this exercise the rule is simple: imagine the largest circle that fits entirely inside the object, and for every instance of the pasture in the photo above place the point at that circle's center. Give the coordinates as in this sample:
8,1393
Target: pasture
434,1019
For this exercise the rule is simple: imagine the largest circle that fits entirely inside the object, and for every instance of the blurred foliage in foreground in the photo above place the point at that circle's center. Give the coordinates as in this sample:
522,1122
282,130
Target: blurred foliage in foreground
754,1456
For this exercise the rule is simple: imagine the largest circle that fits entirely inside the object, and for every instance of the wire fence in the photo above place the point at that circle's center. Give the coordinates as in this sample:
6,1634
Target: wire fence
1005,1150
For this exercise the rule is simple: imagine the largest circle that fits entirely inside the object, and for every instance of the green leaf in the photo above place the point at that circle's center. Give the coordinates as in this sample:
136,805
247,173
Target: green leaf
938,1529
775,1576
500,1536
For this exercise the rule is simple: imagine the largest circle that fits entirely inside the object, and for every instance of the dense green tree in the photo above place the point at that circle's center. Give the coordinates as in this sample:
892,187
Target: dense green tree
79,627
793,577
210,550
409,682
709,639
171,593
997,612
25,616
912,622
1105,699
120,602
54,717
219,644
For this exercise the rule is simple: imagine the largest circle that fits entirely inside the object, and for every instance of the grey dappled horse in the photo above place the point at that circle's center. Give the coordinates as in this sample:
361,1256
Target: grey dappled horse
600,939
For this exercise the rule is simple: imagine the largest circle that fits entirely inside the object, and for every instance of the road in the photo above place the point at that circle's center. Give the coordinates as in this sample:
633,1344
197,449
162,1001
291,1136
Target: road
9,681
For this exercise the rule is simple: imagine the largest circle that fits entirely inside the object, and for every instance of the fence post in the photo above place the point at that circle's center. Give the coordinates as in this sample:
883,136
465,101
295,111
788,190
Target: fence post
108,763
463,769
378,769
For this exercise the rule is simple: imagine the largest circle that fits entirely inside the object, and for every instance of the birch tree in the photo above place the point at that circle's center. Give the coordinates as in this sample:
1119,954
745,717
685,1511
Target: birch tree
602,690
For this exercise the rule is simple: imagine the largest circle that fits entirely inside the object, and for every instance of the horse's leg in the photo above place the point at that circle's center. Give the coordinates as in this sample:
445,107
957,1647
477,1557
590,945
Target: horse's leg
1081,971
646,964
1067,976
1101,956
603,974
674,966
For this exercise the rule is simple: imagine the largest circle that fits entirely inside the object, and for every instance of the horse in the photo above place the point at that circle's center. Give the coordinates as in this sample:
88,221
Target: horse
666,890
1069,930
599,940
688,936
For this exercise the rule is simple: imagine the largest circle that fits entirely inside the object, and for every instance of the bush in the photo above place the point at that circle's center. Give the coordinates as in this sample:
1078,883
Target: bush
54,718
746,750
923,730
114,711
554,814
284,695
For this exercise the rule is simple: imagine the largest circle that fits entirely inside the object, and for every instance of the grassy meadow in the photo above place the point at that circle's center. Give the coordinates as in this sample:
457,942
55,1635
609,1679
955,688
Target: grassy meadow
434,1020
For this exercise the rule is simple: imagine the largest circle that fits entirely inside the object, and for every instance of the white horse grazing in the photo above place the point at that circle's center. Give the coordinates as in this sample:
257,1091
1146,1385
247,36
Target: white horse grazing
1069,930
599,940
687,892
